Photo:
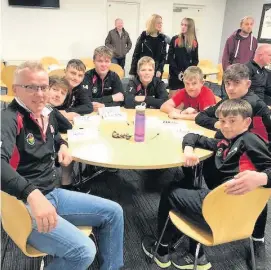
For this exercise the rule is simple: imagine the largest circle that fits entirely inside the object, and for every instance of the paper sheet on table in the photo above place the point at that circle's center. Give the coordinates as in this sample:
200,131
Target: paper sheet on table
75,135
152,122
87,121
112,113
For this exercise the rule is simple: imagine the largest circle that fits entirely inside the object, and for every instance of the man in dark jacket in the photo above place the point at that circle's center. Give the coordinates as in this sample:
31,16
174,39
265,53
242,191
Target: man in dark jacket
30,143
241,45
77,101
103,86
119,41
257,72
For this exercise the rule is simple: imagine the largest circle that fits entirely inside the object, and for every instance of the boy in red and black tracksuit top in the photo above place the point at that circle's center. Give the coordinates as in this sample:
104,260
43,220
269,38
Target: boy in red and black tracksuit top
29,151
238,152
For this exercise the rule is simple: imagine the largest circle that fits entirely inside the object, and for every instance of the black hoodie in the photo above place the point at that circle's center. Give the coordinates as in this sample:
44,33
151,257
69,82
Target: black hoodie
156,93
144,48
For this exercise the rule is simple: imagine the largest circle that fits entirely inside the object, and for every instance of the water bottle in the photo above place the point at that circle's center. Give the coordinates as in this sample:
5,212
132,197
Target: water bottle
140,122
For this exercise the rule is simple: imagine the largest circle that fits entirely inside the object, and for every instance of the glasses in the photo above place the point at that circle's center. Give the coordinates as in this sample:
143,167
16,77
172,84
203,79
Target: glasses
34,88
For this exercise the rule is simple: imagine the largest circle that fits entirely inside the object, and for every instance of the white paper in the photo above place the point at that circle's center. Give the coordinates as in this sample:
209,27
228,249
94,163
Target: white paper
112,113
87,121
75,135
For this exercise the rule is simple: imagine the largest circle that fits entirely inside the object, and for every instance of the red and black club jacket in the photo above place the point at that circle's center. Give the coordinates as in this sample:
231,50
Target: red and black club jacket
245,152
27,154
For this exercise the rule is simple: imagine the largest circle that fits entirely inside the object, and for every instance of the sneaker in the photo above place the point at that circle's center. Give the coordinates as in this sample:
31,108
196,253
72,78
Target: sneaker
260,258
186,261
148,246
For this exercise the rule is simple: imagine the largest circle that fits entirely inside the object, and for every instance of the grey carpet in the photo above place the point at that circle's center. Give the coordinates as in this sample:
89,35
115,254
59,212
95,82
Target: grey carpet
139,198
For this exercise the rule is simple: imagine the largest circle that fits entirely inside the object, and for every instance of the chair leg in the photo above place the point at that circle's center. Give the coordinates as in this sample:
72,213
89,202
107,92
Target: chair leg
196,256
160,239
253,262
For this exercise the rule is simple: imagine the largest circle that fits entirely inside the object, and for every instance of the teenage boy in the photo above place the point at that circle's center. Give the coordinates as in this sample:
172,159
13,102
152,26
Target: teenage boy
239,144
77,101
237,84
104,87
192,99
57,94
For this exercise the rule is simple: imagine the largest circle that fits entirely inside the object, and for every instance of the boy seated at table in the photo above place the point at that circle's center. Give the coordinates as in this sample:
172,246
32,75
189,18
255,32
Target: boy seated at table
77,101
145,87
242,159
104,86
192,99
57,94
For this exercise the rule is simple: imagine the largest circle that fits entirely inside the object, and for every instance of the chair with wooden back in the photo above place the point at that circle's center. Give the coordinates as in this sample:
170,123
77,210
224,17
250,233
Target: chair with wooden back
48,61
88,63
118,69
205,63
17,223
57,72
220,74
2,66
227,216
7,75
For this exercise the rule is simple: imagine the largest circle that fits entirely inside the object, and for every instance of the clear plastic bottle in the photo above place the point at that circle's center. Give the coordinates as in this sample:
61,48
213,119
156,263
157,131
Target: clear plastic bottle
140,123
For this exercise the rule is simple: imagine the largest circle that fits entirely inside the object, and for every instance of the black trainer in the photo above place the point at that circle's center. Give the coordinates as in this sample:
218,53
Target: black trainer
148,246
186,261
260,256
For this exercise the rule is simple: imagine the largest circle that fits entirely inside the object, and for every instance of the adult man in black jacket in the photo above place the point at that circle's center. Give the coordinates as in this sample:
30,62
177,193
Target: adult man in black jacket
257,72
77,101
30,142
103,86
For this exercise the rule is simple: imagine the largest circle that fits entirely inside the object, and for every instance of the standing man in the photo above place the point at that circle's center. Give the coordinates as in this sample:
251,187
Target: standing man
119,41
241,45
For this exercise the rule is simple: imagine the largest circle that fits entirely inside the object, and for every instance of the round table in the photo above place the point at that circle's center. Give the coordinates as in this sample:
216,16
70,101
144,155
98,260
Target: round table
156,152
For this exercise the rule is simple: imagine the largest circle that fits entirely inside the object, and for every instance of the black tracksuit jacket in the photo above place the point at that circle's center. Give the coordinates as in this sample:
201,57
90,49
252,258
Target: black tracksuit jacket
156,93
27,155
208,119
245,152
102,90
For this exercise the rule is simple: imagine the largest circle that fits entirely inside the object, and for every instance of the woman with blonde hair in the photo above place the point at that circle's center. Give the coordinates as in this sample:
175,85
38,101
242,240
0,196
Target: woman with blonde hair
182,53
151,43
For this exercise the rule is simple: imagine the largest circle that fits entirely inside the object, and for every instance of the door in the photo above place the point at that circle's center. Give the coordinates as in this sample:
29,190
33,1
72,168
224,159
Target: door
129,13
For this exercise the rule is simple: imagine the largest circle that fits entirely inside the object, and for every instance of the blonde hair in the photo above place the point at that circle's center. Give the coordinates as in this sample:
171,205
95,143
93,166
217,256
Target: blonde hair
31,66
59,82
190,36
193,72
103,51
145,60
150,29
246,18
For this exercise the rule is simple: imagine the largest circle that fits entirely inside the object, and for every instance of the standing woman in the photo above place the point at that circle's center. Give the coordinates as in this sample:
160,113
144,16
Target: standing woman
151,43
182,53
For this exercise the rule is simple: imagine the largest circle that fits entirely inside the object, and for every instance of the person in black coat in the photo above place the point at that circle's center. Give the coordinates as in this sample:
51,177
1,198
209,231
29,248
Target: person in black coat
182,53
151,43
145,87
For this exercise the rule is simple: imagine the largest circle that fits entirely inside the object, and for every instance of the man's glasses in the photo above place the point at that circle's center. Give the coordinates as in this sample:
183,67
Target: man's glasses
34,88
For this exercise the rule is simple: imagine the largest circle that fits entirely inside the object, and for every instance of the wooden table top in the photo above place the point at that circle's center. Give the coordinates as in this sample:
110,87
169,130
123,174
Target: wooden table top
158,151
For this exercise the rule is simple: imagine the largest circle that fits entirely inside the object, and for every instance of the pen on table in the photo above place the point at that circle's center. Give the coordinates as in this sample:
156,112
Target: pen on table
155,136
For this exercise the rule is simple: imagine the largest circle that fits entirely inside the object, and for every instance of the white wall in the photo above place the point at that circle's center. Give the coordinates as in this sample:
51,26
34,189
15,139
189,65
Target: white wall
79,26
235,11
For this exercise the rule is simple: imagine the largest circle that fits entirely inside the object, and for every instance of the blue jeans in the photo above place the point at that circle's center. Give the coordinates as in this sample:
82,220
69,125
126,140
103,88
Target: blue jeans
119,61
70,247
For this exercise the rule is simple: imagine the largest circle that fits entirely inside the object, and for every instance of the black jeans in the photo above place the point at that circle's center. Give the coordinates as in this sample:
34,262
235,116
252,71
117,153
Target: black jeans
119,61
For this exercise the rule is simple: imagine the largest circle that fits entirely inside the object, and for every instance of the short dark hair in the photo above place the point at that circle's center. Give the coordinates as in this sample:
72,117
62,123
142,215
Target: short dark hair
77,64
236,72
59,82
234,107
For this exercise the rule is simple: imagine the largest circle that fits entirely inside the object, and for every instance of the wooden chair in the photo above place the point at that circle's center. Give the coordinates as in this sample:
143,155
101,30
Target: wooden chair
57,72
227,216
217,99
205,63
7,78
48,60
219,76
2,66
118,69
88,63
166,71
17,223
